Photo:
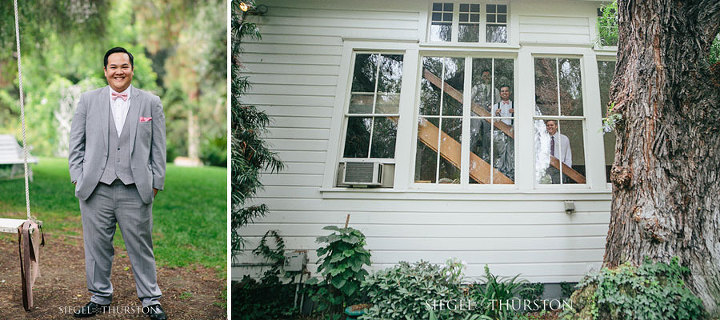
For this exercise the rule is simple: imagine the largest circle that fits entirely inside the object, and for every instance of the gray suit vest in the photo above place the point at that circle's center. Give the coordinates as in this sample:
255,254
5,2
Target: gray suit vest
118,161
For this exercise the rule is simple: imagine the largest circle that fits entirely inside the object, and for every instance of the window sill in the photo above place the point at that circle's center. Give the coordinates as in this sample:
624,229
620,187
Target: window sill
467,45
503,194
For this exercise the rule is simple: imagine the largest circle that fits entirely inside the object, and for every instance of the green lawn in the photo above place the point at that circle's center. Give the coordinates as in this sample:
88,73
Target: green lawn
189,215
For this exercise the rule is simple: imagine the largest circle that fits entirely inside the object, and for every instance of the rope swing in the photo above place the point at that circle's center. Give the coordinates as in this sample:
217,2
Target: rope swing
29,231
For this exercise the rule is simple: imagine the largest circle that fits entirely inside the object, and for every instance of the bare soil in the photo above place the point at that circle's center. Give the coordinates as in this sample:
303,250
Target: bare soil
193,292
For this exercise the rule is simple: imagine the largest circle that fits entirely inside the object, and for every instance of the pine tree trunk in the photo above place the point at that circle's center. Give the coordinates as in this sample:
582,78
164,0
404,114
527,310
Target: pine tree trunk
666,175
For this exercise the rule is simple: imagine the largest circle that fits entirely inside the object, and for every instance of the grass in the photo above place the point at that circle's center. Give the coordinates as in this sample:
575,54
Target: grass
189,216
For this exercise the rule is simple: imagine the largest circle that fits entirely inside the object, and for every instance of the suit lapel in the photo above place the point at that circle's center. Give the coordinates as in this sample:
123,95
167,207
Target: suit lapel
104,111
133,117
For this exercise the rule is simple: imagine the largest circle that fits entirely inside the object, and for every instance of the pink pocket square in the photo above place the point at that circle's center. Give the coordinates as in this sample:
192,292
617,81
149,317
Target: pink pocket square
144,119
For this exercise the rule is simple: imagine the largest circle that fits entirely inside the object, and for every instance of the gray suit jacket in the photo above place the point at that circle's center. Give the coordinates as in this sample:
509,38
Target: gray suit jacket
89,141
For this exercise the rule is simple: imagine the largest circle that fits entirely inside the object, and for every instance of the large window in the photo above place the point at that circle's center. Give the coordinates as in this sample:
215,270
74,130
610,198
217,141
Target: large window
486,155
559,121
373,111
468,22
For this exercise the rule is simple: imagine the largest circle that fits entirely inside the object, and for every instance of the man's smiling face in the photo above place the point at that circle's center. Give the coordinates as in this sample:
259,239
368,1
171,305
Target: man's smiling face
119,71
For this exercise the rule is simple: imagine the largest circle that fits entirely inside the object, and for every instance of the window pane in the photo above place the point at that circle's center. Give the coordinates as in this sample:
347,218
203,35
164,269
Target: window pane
430,93
504,75
450,150
454,76
389,83
474,18
490,8
501,8
440,32
437,6
501,18
475,8
464,17
448,7
383,140
480,151
469,33
546,90
447,16
365,72
437,16
361,103
482,91
426,159
496,34
490,18
503,154
606,71
571,103
559,142
357,139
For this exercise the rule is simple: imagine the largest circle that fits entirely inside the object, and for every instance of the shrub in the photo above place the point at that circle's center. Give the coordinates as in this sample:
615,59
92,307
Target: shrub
495,290
341,264
405,290
650,291
213,151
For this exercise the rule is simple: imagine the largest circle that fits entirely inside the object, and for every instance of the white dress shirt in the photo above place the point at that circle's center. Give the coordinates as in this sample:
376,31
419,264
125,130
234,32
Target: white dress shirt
562,149
504,107
120,109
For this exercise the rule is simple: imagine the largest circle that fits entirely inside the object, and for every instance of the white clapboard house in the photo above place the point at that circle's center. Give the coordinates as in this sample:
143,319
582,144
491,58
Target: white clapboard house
398,113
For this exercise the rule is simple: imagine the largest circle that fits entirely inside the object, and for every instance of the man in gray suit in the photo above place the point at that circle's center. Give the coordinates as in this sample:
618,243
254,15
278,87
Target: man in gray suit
117,163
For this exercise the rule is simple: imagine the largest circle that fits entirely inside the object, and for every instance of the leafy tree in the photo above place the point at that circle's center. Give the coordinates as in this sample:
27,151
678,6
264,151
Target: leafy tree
250,155
667,157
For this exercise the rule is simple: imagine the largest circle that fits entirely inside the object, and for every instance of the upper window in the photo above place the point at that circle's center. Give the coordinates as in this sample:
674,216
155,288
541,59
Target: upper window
487,154
373,110
468,22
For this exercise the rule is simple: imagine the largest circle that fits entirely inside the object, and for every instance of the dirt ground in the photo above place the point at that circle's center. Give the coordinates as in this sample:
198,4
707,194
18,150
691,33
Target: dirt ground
188,293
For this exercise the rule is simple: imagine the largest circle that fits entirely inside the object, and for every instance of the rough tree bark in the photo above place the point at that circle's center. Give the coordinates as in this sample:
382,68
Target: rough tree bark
666,175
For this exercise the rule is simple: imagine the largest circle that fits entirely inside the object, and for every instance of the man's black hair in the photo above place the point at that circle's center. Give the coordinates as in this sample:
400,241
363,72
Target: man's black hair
116,50
505,85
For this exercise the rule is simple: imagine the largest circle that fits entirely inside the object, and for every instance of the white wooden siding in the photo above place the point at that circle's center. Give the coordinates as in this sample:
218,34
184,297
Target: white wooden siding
295,71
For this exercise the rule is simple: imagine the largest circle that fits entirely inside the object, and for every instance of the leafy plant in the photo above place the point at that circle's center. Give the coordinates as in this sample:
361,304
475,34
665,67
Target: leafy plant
611,121
567,288
608,25
532,291
250,154
341,264
497,290
650,291
406,290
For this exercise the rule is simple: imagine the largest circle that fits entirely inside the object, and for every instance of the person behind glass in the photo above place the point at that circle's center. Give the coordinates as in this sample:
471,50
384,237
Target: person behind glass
505,107
559,148
483,92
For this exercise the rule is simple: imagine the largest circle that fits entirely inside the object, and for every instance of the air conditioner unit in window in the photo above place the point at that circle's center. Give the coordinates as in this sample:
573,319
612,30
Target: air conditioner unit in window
362,173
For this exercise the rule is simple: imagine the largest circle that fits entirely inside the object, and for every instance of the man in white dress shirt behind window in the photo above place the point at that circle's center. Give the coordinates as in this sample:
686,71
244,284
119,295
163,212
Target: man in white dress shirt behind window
559,148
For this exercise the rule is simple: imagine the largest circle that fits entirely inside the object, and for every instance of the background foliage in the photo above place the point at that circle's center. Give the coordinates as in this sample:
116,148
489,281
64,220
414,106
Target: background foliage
179,48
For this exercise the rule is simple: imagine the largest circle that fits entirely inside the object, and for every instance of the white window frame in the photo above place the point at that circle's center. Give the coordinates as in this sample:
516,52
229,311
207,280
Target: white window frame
523,91
347,113
605,58
466,118
483,24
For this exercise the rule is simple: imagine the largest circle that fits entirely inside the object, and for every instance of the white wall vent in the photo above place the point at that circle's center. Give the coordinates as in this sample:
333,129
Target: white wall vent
364,173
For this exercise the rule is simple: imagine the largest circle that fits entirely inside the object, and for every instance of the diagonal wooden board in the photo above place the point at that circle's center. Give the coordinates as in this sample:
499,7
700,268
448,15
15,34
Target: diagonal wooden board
480,111
450,150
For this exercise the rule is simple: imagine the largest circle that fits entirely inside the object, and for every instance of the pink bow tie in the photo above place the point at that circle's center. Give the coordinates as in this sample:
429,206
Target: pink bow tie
123,96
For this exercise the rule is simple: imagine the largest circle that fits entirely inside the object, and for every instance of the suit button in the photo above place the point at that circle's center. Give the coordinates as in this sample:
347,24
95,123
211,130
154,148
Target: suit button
118,148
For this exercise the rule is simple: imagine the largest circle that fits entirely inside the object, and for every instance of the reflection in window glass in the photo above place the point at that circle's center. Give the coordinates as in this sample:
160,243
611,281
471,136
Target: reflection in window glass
440,122
606,70
559,142
496,23
469,19
441,25
374,106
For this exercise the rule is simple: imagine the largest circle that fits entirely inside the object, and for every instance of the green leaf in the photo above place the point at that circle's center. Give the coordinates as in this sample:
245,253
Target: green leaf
338,282
332,228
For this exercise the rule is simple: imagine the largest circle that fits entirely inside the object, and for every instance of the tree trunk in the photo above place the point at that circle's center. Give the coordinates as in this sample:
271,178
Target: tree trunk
193,127
666,175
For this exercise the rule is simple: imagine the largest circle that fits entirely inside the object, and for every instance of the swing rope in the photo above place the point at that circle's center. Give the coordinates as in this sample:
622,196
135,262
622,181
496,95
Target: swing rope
22,111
